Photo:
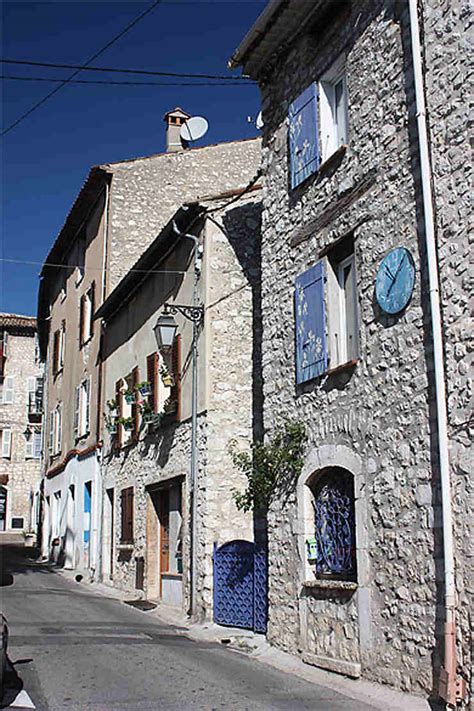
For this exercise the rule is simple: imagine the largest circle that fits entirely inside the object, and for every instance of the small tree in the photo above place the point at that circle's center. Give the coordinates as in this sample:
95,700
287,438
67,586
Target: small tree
269,468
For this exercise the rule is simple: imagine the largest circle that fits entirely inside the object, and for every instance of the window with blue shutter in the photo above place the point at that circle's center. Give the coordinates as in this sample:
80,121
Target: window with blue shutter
303,135
310,323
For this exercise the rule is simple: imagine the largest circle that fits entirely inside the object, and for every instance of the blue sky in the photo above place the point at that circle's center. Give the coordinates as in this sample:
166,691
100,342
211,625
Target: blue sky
46,158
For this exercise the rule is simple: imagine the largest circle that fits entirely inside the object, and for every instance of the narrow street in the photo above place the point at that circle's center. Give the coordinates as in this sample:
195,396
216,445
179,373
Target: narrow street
71,648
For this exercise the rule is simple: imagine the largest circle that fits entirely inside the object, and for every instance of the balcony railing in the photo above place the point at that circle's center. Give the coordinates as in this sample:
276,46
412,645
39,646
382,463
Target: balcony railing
35,404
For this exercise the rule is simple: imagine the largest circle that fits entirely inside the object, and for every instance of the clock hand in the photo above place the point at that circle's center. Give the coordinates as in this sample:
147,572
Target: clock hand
388,271
396,274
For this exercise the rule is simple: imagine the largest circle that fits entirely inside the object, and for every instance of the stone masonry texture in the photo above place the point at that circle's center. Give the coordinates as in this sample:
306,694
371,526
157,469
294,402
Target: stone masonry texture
23,472
383,409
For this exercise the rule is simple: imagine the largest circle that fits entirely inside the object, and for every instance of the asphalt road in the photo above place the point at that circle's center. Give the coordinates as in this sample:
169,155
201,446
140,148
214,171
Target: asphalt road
72,649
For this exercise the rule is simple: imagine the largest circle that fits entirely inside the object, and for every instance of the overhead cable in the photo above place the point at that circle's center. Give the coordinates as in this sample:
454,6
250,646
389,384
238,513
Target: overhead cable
94,269
123,83
81,67
116,70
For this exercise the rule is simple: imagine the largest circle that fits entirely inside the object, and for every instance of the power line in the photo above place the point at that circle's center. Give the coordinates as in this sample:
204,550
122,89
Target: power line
124,83
94,269
80,68
116,70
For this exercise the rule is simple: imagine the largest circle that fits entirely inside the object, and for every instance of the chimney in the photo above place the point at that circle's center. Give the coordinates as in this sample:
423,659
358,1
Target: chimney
174,120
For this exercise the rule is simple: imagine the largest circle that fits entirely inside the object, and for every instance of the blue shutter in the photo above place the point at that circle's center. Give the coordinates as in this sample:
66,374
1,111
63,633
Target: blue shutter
303,135
310,322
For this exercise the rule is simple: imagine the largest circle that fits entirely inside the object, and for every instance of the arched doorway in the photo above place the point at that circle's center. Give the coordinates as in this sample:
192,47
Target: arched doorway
3,508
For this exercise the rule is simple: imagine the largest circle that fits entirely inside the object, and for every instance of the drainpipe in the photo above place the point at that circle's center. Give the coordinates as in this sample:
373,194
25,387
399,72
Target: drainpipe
194,409
450,688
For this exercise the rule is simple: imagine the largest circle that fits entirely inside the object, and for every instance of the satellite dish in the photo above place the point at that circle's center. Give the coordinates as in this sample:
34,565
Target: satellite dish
259,121
194,128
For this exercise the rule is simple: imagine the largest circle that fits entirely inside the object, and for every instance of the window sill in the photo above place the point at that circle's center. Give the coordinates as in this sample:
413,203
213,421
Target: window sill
172,576
326,584
328,162
344,366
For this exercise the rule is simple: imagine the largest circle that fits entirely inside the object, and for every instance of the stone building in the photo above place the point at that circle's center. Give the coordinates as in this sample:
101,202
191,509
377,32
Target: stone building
160,526
369,555
21,410
118,213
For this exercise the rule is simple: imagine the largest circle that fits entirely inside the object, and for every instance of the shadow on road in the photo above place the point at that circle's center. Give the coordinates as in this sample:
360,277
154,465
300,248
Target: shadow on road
12,686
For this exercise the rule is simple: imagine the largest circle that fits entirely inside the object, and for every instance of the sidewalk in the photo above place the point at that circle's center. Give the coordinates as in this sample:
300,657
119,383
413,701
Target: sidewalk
255,646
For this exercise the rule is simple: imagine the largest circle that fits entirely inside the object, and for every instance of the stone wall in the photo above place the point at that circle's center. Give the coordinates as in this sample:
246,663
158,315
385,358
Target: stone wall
229,402
23,474
380,410
448,63
146,192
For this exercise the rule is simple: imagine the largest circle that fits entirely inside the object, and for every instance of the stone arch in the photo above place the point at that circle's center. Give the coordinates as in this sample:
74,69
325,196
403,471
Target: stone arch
319,459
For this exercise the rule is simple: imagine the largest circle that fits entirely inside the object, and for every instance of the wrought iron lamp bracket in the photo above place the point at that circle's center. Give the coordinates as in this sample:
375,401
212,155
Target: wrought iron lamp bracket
192,313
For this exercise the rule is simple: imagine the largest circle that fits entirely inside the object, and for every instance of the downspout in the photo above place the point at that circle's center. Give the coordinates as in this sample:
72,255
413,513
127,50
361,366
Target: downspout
194,408
100,394
450,687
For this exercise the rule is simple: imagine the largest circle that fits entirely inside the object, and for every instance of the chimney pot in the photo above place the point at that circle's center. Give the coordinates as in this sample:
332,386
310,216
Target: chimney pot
174,120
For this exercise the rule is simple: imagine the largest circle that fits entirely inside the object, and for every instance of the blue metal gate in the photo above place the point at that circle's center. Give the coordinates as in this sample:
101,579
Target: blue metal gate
240,585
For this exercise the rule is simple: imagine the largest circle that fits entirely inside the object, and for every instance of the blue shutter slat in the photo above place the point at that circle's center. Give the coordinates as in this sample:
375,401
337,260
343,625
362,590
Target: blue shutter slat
303,135
310,323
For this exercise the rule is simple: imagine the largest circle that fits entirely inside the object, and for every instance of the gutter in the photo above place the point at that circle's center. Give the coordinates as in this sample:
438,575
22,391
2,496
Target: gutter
451,687
255,33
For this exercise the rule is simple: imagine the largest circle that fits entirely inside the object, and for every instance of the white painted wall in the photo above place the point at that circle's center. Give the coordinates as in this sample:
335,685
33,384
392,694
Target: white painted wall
71,519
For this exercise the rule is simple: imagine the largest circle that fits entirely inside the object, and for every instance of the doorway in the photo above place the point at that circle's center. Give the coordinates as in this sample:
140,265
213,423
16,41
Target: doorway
164,543
3,507
108,529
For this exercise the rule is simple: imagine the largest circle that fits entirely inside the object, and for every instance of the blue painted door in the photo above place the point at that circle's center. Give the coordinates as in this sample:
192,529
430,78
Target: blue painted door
87,520
240,585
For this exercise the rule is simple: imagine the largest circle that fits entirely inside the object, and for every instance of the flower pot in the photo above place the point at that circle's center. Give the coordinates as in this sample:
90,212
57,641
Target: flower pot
129,398
112,429
168,381
144,390
128,426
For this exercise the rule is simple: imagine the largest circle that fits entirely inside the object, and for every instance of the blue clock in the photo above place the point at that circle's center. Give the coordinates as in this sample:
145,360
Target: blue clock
395,280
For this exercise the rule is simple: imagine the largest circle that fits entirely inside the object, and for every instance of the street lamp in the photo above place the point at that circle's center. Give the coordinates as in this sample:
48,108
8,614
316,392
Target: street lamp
165,331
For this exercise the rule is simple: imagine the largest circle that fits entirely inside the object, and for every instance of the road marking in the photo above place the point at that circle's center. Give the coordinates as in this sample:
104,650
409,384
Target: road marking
22,701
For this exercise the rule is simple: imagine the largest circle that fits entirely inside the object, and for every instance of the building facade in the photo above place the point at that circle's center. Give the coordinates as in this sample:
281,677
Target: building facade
360,554
161,525
118,213
21,411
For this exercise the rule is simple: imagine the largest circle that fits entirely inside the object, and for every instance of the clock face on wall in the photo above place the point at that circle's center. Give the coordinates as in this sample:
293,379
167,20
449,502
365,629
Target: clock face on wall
395,280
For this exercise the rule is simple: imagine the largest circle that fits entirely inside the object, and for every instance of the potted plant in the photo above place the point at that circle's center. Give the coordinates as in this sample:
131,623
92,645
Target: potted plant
143,388
170,405
112,405
126,422
111,423
166,377
149,416
129,395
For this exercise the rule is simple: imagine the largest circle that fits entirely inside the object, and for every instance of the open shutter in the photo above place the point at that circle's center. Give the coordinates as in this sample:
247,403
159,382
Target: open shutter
77,411
51,432
29,446
152,377
176,367
6,443
135,409
37,441
130,515
62,343
87,405
303,135
92,308
5,344
59,430
55,352
81,319
310,323
119,401
8,390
